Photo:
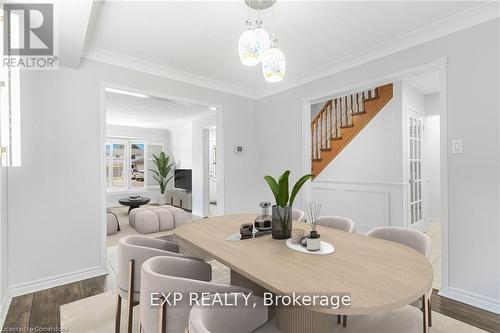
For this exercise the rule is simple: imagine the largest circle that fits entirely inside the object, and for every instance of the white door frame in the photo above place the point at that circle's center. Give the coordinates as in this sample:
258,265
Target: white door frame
437,65
102,122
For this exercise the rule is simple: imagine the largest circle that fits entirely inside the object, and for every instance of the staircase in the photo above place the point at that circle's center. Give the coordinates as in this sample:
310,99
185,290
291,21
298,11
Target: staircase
340,120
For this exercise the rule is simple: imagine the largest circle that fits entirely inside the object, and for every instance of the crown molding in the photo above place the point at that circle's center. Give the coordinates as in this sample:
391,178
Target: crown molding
474,16
121,60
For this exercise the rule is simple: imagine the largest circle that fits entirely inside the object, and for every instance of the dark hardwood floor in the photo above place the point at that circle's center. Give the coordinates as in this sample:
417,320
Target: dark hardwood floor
39,311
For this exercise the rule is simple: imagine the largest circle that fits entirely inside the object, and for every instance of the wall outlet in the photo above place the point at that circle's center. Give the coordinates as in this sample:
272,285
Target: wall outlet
457,147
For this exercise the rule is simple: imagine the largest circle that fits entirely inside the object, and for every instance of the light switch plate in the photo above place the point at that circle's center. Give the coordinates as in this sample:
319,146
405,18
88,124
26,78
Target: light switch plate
457,147
239,149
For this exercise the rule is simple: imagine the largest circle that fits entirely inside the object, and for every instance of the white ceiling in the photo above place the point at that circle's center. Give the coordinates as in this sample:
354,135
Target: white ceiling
427,83
152,112
201,38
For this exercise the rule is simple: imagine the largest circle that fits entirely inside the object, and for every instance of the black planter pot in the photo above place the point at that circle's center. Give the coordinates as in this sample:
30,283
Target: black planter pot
282,222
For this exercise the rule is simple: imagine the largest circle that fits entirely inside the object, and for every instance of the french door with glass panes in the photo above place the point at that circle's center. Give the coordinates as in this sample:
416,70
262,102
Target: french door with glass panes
416,207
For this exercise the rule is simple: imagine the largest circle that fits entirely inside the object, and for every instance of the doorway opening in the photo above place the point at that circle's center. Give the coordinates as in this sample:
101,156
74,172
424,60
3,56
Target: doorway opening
137,127
421,105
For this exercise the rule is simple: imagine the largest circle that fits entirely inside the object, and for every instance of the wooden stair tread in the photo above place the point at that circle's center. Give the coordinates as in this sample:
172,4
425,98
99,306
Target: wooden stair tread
346,126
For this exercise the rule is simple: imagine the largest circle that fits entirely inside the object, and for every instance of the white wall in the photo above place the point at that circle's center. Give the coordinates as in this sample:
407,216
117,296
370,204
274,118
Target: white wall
181,146
472,75
432,151
358,176
4,295
200,164
147,135
55,197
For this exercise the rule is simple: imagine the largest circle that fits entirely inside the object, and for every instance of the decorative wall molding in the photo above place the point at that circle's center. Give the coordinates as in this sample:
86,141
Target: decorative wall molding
461,21
56,280
121,60
479,301
381,202
358,182
474,16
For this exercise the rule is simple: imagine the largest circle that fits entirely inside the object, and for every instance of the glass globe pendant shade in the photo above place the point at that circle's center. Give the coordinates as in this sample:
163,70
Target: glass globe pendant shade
263,42
273,65
248,48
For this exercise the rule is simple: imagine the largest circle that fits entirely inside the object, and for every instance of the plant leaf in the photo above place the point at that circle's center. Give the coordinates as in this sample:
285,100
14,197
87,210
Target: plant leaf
273,185
298,185
283,189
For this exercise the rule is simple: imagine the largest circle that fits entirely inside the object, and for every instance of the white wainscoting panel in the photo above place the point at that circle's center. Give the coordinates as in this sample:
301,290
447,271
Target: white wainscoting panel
368,204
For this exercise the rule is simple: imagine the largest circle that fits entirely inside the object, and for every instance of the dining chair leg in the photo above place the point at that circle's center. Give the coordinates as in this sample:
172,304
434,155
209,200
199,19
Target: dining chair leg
430,312
118,314
339,319
425,308
344,321
130,308
162,317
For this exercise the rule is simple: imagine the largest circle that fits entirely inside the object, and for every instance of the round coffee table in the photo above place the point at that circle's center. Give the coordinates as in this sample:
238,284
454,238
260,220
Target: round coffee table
133,203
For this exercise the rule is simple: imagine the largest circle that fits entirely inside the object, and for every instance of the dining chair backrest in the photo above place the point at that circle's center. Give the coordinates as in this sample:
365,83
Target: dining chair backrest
298,215
337,222
180,276
139,249
409,237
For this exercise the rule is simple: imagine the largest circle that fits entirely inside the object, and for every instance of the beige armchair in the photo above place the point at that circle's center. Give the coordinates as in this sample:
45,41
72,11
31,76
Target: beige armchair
132,252
243,318
337,222
174,275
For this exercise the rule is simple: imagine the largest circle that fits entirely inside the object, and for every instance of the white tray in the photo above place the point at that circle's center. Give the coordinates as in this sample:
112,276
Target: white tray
326,248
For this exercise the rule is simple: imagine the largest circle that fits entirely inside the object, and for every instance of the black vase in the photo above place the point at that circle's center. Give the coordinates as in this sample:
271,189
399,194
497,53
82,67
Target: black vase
282,222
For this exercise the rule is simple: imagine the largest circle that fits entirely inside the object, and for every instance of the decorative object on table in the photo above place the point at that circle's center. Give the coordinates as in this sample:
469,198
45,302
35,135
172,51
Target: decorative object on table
313,210
246,230
298,235
325,248
282,211
161,174
263,222
134,197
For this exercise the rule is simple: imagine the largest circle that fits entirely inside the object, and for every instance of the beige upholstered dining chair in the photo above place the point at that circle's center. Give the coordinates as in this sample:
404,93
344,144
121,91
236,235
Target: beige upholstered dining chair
298,215
337,222
174,275
412,238
242,318
132,252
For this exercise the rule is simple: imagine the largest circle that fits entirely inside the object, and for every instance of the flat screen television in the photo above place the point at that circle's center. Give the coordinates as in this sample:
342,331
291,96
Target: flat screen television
182,179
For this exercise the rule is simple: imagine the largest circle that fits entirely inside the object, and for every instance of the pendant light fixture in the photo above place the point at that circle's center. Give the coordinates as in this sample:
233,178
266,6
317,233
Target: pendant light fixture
248,46
256,46
273,61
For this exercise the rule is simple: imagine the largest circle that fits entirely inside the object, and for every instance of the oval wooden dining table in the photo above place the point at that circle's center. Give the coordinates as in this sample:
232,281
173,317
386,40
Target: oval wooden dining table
379,275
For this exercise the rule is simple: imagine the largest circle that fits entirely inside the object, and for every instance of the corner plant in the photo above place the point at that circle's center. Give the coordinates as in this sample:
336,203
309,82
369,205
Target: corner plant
281,191
163,168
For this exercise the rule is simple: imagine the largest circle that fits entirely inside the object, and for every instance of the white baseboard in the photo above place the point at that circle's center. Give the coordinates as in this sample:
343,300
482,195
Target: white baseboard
4,307
478,301
57,280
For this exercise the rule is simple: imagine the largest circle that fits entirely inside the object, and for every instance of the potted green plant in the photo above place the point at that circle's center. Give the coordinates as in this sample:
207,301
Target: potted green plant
282,211
161,174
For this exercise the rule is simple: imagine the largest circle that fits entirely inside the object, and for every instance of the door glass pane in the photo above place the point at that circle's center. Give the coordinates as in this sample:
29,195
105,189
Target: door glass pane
137,165
118,173
119,151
